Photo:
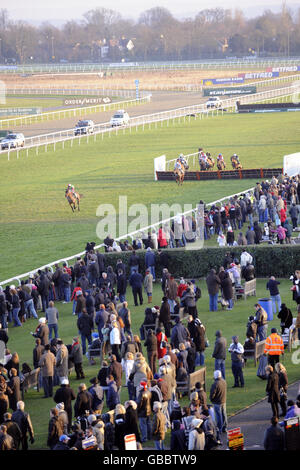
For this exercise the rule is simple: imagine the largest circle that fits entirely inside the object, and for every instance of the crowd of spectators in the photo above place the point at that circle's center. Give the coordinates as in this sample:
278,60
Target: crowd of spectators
151,366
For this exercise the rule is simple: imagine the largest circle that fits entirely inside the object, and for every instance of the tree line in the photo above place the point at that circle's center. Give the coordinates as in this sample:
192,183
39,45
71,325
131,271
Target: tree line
104,35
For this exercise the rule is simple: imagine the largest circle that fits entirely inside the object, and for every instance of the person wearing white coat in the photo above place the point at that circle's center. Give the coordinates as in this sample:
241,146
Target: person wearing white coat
115,341
196,436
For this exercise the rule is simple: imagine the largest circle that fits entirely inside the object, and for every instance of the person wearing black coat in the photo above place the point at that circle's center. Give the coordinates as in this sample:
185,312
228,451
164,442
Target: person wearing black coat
227,290
65,394
274,438
286,317
121,285
151,345
120,430
178,438
136,282
85,325
258,233
165,316
131,419
197,333
84,401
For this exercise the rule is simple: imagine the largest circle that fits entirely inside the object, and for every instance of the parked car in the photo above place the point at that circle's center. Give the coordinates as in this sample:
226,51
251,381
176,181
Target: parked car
4,134
214,102
12,141
120,118
84,127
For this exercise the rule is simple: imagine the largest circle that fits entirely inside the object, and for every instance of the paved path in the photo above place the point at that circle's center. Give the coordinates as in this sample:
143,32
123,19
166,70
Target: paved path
255,420
160,101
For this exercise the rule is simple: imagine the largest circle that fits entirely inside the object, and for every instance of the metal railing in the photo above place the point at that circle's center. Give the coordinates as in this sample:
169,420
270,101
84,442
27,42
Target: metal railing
200,110
228,63
64,113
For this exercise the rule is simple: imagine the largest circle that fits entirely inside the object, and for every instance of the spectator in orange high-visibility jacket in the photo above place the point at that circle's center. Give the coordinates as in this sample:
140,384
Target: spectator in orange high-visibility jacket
274,347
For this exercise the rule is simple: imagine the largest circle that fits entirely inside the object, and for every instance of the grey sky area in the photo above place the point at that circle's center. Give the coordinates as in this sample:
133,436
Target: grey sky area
58,12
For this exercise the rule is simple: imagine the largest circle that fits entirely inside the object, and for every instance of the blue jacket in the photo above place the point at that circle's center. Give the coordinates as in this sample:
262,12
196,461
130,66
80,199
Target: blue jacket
150,259
112,398
136,280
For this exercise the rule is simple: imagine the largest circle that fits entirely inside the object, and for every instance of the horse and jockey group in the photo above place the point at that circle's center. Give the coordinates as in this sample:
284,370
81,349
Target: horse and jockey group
205,160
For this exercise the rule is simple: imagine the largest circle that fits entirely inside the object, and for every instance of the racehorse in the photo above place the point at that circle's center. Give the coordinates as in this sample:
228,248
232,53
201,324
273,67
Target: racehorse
73,199
179,174
210,161
236,165
221,165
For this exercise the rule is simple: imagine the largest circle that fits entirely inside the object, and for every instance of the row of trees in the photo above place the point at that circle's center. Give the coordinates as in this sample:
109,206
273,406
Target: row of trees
103,34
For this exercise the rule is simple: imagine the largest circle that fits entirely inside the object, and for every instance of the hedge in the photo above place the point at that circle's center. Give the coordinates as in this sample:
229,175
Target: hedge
277,260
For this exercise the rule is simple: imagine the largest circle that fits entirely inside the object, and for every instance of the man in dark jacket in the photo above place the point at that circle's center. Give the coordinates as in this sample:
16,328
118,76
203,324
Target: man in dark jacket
76,356
65,394
85,326
218,392
115,369
213,283
165,315
55,429
219,352
13,430
101,319
23,420
62,443
144,411
197,333
83,401
150,261
180,334
151,345
274,438
134,262
112,397
136,282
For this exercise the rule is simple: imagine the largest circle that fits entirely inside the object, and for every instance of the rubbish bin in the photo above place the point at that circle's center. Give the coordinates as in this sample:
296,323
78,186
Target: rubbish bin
267,306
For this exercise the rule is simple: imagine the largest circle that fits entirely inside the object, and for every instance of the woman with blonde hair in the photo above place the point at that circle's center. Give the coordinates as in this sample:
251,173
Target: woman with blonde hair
283,386
120,427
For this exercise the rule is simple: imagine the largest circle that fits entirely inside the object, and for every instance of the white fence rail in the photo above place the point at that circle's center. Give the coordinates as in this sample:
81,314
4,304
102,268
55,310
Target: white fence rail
93,91
199,110
63,113
229,63
131,235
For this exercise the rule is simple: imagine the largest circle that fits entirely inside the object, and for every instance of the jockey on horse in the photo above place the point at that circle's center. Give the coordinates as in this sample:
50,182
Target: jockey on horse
72,197
179,171
236,164
220,162
202,158
210,163
183,161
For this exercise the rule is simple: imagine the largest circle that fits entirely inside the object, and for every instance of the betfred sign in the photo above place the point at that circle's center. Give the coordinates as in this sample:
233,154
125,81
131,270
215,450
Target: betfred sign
258,75
284,69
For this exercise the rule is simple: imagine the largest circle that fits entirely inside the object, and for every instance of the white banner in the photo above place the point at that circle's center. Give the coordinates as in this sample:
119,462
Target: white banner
159,165
291,164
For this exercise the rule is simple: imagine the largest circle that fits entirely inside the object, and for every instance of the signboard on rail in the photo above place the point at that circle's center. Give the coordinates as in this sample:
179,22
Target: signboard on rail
245,90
